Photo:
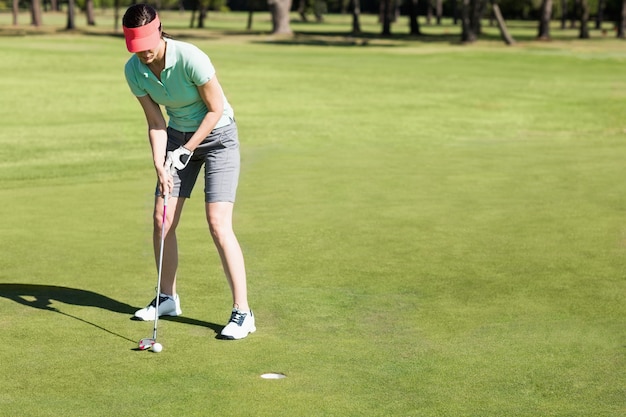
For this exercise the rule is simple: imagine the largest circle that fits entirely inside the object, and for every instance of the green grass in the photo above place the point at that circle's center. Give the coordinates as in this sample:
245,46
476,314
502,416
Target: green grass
429,230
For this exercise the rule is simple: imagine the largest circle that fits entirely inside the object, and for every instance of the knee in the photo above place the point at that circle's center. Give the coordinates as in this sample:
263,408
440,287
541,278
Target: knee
158,222
220,227
157,216
219,217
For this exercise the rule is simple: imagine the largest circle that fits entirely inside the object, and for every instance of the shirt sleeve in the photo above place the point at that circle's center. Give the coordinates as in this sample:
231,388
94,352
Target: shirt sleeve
131,78
199,67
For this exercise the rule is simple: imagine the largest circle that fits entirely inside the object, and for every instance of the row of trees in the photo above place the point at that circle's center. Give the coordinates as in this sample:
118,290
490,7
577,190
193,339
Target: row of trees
470,13
583,11
35,7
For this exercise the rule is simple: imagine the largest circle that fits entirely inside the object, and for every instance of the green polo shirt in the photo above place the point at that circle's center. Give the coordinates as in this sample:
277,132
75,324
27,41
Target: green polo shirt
186,68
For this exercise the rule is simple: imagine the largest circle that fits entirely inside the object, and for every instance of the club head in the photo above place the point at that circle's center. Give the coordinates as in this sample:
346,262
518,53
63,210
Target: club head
146,343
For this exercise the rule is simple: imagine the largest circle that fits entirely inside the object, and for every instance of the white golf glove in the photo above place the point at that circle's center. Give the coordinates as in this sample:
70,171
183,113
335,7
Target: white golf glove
179,158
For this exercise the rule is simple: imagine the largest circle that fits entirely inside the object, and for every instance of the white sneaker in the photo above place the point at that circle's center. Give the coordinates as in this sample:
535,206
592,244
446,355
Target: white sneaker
239,326
168,306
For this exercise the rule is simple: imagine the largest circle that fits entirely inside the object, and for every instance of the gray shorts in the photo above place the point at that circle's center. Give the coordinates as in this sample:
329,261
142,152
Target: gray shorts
219,153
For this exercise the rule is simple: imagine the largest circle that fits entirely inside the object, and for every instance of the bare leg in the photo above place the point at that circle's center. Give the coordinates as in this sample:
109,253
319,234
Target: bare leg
220,219
170,249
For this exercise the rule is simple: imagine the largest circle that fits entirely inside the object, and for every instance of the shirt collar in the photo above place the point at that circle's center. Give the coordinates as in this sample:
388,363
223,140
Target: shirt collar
170,53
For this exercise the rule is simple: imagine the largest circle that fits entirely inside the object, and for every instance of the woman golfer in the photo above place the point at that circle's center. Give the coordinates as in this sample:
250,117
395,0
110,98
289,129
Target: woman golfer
201,132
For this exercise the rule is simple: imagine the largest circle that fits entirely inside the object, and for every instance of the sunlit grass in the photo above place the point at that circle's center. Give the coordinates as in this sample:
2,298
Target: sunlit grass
430,230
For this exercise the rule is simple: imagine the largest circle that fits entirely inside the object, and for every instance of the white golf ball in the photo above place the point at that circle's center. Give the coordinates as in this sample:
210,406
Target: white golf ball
157,347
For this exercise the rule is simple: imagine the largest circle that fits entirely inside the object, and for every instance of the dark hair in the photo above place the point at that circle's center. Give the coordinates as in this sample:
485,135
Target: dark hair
139,15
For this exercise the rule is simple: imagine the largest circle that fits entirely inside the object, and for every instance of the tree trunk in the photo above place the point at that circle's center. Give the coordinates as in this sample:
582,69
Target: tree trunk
455,12
467,33
584,20
563,14
621,27
196,7
356,15
36,13
600,14
16,11
574,14
504,32
302,10
250,14
116,15
477,15
279,9
202,15
544,20
319,6
71,21
91,20
471,15
439,11
414,24
386,12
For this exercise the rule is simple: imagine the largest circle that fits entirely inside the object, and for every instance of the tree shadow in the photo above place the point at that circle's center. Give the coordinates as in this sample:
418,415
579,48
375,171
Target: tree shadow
42,296
361,39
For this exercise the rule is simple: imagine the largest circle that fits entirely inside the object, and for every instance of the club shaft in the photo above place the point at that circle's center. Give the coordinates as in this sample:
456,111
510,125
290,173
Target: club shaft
158,288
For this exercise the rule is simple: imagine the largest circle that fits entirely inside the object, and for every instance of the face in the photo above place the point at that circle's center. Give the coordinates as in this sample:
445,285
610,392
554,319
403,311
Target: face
149,56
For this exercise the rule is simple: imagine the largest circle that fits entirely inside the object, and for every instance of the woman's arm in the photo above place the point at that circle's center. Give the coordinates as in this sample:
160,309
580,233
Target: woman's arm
212,95
157,134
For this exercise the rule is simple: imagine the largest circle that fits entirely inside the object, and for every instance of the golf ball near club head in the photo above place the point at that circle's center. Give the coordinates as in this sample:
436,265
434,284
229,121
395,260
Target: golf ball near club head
157,347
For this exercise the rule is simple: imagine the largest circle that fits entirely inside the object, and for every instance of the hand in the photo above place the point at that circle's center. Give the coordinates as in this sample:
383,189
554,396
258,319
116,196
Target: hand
166,182
178,159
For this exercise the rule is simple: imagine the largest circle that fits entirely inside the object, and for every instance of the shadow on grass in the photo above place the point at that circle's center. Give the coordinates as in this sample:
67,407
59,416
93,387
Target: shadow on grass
187,320
333,38
217,328
362,39
42,296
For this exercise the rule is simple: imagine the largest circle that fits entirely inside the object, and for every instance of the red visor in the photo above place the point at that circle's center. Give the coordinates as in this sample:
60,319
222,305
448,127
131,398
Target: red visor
144,37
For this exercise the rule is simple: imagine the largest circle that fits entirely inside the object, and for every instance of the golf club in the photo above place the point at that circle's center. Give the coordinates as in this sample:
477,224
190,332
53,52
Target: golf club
147,343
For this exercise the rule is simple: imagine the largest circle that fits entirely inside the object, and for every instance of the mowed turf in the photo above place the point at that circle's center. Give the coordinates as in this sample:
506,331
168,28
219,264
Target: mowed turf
429,230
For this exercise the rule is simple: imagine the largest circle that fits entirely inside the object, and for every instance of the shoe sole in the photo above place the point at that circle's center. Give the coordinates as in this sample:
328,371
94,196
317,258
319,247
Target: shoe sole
137,318
234,338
